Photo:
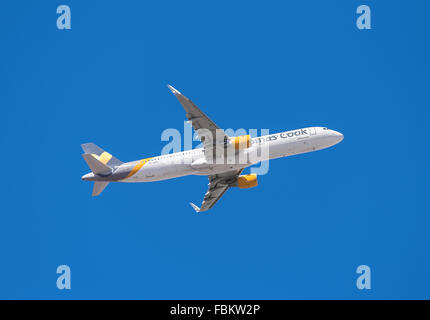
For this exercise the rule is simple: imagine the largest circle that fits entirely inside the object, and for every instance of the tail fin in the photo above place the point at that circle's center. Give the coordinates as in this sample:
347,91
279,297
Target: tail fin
101,155
100,162
96,166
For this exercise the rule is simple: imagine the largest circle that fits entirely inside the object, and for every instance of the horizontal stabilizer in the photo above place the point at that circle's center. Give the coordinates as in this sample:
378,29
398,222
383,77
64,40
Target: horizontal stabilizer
99,186
96,166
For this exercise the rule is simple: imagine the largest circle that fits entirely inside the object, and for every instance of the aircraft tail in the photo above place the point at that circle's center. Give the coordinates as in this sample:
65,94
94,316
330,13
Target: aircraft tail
100,163
101,155
96,166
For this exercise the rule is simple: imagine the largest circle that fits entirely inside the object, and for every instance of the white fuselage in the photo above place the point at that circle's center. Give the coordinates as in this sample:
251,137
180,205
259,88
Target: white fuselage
193,162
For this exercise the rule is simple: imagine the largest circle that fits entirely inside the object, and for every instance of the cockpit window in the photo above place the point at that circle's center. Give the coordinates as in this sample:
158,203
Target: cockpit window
325,129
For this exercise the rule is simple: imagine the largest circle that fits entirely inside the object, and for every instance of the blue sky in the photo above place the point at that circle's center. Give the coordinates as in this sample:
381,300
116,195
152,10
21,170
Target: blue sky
281,65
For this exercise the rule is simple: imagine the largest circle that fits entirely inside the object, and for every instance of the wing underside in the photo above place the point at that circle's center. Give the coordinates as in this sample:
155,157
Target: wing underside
218,185
208,132
213,139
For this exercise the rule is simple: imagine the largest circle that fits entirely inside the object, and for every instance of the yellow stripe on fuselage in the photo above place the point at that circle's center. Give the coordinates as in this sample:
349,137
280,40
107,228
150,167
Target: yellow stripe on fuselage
137,167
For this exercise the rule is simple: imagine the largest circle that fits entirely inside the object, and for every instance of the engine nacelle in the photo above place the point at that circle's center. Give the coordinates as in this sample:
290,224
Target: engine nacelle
247,181
241,142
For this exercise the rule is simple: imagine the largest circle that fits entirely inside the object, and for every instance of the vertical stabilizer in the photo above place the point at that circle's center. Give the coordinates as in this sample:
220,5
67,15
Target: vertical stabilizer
102,155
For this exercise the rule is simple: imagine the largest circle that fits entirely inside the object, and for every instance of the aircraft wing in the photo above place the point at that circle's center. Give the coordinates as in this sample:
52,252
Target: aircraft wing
201,123
218,185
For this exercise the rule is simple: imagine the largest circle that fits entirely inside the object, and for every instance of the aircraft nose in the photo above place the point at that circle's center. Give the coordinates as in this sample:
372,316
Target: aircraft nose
338,135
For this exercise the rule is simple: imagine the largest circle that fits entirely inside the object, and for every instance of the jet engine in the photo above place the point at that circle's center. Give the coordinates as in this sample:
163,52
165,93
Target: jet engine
241,142
247,181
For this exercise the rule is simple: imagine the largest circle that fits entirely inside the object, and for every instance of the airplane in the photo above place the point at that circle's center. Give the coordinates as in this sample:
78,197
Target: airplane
209,160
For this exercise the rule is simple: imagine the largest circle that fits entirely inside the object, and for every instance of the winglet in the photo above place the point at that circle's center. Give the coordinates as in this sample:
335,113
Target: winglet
175,92
196,209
